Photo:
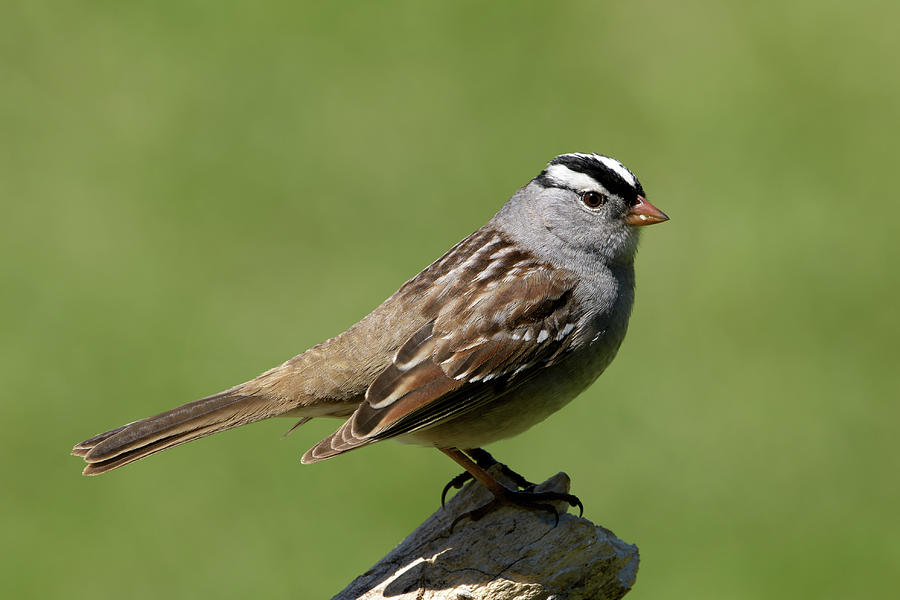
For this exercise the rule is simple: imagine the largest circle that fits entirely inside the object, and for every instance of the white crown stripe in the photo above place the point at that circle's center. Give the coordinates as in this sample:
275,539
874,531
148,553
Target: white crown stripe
610,163
619,168
573,179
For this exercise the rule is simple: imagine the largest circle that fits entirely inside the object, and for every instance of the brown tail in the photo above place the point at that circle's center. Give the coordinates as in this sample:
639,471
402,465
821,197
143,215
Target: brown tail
191,421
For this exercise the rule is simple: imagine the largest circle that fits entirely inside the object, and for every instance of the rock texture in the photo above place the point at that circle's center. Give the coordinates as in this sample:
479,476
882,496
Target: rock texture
509,553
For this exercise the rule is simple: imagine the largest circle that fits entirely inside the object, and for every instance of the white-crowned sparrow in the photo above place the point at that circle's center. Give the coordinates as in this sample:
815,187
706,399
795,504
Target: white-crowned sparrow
503,330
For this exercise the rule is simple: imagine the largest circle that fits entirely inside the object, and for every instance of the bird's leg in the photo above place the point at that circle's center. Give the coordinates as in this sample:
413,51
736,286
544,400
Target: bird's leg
503,495
484,460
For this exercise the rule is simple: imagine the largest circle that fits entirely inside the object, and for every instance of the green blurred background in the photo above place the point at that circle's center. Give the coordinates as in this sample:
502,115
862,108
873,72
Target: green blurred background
193,192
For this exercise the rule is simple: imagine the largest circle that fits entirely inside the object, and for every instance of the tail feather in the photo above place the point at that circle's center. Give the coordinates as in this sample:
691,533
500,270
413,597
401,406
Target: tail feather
120,446
84,447
96,468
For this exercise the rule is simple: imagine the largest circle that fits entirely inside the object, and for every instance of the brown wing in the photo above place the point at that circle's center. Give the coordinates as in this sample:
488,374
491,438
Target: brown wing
485,339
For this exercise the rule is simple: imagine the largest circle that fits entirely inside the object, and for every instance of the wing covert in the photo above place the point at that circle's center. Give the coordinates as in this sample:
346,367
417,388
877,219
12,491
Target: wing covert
491,332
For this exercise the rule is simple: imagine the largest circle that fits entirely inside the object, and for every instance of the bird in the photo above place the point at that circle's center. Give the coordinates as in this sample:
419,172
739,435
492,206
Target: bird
503,330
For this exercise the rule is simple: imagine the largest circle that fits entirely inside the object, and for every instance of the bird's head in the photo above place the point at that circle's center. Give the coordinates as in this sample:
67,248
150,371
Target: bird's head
589,201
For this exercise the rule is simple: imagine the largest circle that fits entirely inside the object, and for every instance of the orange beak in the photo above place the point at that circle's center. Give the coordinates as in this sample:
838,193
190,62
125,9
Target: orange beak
644,213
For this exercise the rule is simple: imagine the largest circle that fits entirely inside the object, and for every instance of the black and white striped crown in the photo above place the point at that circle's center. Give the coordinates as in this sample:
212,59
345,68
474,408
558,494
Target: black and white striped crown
580,172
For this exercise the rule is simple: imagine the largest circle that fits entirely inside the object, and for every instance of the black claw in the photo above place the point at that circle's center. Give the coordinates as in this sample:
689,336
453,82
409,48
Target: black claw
457,520
571,499
455,483
576,502
550,508
547,508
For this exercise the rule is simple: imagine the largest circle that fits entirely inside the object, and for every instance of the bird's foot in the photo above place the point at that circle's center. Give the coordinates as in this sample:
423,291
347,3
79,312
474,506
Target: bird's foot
484,460
476,462
526,499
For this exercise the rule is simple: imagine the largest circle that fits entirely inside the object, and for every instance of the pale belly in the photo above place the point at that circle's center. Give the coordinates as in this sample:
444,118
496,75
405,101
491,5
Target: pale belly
519,409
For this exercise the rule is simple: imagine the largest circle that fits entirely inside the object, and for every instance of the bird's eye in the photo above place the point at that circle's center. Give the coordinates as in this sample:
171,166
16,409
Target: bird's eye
593,199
